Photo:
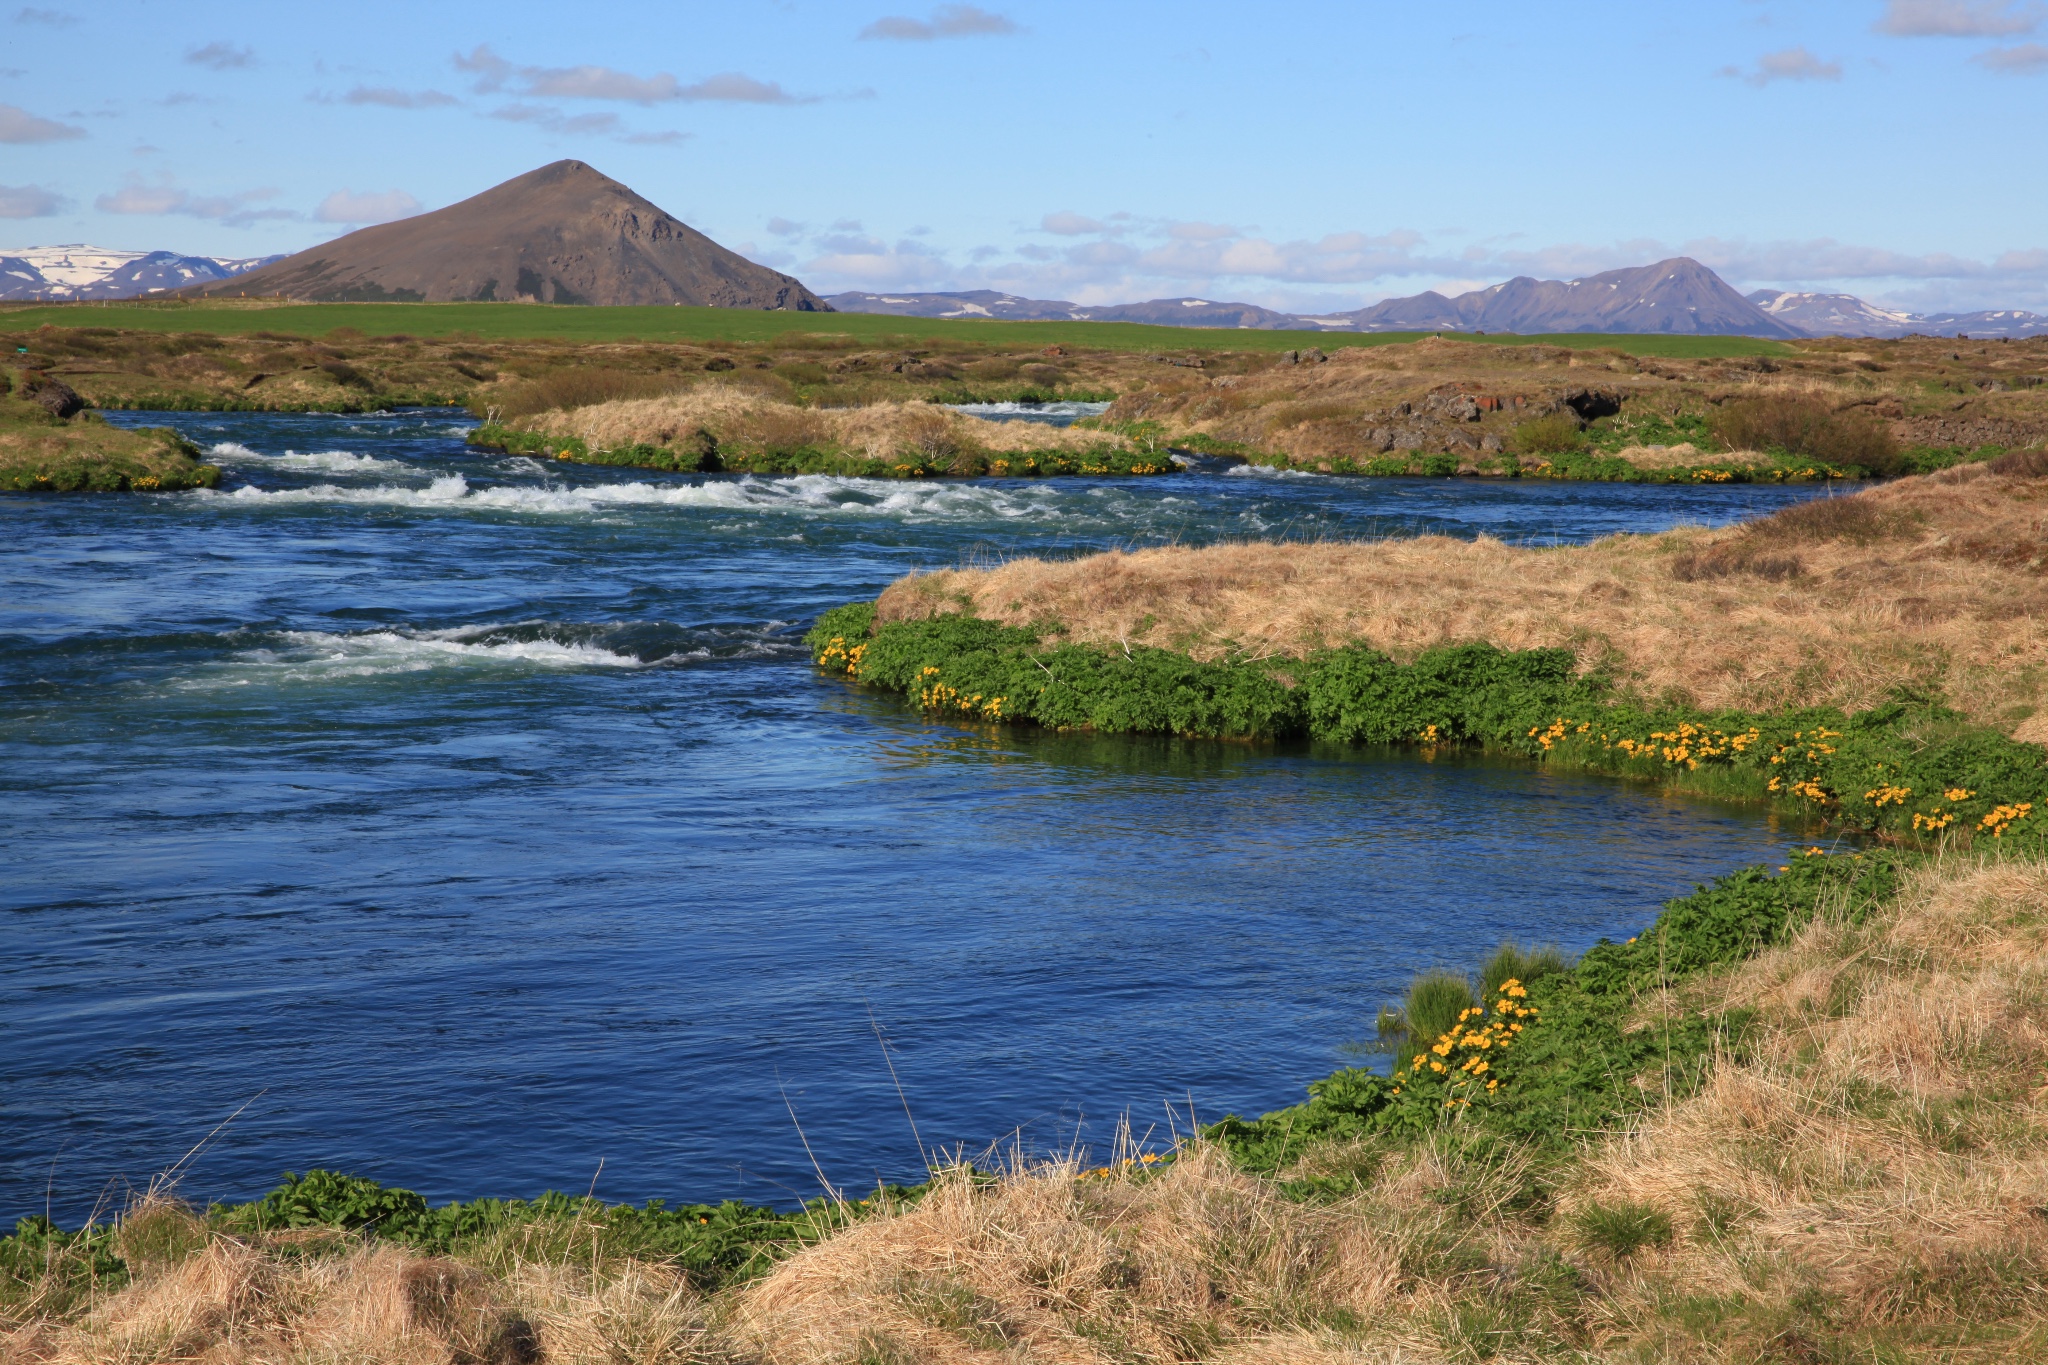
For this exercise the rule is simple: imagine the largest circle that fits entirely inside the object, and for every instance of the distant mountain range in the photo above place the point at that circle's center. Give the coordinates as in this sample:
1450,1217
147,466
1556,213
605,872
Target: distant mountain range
91,272
565,233
1847,315
1678,296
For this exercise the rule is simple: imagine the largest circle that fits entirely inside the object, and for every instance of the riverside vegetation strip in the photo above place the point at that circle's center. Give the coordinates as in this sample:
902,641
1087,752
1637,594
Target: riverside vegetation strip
1638,409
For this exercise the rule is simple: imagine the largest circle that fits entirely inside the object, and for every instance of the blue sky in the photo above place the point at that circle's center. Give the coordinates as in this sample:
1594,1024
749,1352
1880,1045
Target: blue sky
1302,155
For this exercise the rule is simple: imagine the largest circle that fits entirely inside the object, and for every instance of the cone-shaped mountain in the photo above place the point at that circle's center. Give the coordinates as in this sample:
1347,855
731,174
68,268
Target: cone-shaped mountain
562,234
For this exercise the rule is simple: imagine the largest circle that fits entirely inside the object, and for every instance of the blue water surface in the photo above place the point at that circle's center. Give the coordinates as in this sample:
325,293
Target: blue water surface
468,822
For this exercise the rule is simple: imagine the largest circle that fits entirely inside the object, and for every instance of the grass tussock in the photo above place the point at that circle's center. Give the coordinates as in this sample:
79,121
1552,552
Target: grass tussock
723,425
1932,584
1859,1175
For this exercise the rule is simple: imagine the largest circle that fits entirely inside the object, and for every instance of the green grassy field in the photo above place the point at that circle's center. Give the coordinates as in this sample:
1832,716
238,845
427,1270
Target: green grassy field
506,321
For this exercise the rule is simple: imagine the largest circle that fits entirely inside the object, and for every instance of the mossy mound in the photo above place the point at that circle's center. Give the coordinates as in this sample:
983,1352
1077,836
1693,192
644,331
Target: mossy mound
43,454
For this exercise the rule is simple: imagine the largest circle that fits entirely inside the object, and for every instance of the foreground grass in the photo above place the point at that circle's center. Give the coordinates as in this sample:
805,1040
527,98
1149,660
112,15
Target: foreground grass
1808,1127
562,322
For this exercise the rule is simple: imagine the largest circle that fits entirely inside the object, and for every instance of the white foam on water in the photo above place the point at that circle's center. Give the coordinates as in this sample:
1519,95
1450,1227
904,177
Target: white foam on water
322,656
803,494
314,461
1266,471
1060,413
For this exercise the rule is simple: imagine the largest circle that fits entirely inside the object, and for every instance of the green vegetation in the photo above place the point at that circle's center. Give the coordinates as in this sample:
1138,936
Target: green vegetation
499,321
43,453
1910,769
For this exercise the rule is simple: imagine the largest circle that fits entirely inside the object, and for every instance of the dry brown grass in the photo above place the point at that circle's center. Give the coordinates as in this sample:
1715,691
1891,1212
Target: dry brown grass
749,420
325,1297
1885,1154
1932,582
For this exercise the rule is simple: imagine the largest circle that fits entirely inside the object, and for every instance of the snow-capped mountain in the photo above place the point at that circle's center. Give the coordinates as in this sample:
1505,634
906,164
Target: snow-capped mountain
90,272
1846,315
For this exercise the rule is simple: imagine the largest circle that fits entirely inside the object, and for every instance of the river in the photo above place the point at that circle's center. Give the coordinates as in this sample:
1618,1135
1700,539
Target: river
471,823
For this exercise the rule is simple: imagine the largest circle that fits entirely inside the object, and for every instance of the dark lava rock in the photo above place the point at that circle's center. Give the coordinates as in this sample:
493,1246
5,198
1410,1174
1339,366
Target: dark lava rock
54,395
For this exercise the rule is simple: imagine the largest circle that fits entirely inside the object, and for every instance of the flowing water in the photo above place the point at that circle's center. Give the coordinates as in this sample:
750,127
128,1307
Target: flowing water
467,822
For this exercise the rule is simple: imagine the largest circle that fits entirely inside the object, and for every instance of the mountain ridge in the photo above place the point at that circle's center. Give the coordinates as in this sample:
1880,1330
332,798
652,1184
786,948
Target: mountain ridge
1692,299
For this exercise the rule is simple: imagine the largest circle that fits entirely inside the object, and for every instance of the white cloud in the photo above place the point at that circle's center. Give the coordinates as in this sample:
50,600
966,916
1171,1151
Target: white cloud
947,21
1069,224
19,125
1958,18
666,138
493,73
1791,64
390,98
598,83
221,56
555,121
234,210
783,227
28,201
346,206
488,67
56,18
733,87
2023,60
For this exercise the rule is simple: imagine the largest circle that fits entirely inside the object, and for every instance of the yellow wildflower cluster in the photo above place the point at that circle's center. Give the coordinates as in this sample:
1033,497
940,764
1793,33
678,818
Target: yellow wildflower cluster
934,695
2001,818
1555,732
1711,475
149,481
1937,819
1476,1036
836,652
1429,735
1127,1164
1885,794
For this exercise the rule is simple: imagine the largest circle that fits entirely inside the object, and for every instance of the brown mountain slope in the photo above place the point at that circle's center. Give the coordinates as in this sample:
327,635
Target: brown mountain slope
562,234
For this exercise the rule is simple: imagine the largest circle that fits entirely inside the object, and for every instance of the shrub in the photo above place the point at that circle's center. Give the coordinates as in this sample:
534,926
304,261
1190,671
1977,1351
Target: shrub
1853,519
1796,425
1623,1229
1435,1004
2021,464
1557,434
1510,962
803,372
